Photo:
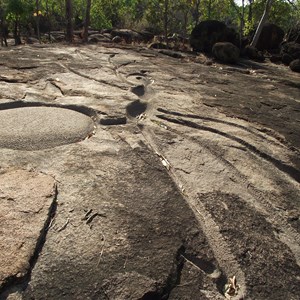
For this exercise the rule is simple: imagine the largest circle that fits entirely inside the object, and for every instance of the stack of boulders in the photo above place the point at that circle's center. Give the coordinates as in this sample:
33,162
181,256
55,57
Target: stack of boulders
222,41
127,36
215,37
290,55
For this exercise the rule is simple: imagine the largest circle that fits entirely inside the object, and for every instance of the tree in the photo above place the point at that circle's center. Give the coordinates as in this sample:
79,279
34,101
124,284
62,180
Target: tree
196,11
37,15
87,20
263,20
17,10
166,19
69,20
3,25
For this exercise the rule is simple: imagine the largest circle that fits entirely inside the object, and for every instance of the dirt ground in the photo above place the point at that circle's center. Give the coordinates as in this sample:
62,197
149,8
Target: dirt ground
126,173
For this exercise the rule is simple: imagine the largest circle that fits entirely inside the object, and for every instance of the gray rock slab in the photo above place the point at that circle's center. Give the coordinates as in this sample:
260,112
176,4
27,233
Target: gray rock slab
118,231
196,195
26,201
33,128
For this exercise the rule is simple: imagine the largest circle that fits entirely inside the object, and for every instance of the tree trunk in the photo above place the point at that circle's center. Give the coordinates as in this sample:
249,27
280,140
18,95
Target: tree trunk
197,12
49,21
69,19
242,24
262,21
2,29
17,36
37,3
87,21
209,9
166,20
250,11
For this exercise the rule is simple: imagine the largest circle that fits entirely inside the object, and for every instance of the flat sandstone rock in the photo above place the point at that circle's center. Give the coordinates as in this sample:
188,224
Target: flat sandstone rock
26,201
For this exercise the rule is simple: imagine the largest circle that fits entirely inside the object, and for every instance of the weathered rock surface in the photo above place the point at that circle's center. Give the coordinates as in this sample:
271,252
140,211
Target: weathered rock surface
200,184
27,201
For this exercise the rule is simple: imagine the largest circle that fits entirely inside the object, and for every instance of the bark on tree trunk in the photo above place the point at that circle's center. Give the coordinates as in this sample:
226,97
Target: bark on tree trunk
87,21
197,13
250,11
17,36
37,3
49,21
209,10
262,21
242,24
166,20
2,35
69,19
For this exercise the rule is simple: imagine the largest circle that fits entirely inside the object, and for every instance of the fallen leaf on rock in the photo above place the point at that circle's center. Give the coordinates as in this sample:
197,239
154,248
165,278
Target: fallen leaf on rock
164,161
231,288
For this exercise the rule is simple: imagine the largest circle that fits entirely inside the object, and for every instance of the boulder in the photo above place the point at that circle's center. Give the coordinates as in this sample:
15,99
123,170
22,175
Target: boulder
253,53
270,38
158,45
127,35
171,53
98,38
147,36
226,52
292,49
295,65
32,40
275,58
207,33
286,59
117,39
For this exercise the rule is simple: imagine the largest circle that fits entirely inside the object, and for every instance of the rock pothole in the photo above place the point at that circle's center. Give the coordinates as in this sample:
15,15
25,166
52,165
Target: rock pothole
42,127
136,108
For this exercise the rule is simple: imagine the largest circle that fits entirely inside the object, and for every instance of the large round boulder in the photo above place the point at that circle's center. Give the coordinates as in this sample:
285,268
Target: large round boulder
292,49
295,65
286,59
209,32
270,38
226,52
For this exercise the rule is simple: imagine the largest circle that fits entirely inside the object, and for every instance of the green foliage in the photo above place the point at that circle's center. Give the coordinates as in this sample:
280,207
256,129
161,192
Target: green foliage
98,17
221,10
180,16
280,14
19,9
